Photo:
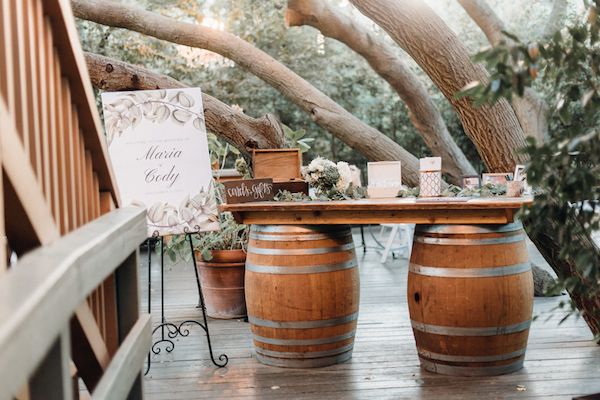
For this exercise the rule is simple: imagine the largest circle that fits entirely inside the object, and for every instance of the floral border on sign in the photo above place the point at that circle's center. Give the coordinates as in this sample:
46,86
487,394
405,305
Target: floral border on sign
198,212
127,111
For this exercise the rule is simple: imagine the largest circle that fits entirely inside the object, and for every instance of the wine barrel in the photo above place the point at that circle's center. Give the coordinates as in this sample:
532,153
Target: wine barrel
302,294
222,280
470,298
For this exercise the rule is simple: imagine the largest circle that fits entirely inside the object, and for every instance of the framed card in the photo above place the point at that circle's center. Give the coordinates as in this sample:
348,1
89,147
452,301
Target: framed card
496,178
471,182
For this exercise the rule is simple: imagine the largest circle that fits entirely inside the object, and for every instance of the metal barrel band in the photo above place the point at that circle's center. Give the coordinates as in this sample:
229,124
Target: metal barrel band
341,235
460,331
304,363
321,323
305,342
476,359
299,228
469,229
467,242
299,252
469,272
306,354
298,270
470,371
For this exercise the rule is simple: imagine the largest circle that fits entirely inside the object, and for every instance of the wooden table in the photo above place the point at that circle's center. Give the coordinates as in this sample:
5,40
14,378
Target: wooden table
448,210
470,288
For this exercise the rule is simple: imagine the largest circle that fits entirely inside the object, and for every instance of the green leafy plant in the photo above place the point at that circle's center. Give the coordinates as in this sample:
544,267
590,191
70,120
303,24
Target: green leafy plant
566,167
297,139
232,236
220,150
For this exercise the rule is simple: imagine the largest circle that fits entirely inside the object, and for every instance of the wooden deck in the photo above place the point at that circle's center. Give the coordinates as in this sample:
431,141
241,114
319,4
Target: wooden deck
561,361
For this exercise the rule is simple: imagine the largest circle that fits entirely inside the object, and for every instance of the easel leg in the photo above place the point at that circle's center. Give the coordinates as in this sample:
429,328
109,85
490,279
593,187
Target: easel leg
173,330
204,326
149,248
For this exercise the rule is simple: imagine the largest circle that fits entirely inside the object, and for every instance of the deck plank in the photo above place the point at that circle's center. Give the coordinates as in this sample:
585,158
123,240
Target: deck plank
562,361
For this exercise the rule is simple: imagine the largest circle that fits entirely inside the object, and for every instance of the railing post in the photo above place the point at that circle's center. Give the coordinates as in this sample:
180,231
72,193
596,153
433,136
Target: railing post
52,378
128,307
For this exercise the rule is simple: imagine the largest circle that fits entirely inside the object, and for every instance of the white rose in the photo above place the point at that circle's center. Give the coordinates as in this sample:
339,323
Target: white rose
345,176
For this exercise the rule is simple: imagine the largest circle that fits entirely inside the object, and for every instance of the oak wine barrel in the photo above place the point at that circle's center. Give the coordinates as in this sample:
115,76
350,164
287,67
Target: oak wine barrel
302,294
470,298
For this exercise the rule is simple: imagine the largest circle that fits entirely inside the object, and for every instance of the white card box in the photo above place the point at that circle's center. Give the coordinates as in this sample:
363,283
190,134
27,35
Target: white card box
385,179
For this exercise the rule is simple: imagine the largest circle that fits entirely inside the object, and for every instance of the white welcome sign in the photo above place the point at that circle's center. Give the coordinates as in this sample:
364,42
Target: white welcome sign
158,146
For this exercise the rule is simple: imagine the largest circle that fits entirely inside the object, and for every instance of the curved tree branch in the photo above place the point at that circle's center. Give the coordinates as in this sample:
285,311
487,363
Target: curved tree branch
494,129
338,24
530,109
244,132
324,111
556,19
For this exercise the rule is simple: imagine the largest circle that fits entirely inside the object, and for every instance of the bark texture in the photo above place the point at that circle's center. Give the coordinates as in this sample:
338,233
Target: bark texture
416,28
244,132
530,109
494,129
324,111
548,244
336,23
556,19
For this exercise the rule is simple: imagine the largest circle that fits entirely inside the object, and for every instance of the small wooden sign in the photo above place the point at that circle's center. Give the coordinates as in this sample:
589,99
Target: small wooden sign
249,190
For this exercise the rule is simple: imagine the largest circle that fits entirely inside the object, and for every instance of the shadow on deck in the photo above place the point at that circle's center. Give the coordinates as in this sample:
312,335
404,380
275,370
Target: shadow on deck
561,361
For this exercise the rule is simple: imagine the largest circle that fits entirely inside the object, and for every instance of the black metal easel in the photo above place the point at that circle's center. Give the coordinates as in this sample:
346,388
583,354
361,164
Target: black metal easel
173,330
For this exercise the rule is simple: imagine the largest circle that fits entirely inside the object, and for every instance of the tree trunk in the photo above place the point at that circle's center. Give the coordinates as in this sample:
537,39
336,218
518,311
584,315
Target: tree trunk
494,129
324,111
416,27
556,19
547,243
337,24
244,132
530,109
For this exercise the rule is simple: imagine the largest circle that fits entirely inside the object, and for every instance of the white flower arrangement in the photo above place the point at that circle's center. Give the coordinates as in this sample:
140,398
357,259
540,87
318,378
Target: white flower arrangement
332,181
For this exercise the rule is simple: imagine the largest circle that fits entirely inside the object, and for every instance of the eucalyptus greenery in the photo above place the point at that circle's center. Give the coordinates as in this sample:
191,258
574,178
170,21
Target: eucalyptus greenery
566,167
487,190
232,236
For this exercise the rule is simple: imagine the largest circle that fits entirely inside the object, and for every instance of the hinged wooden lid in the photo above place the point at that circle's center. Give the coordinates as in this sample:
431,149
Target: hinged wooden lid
279,164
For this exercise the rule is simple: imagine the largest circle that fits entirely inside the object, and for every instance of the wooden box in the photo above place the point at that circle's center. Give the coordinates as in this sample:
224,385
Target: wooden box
279,164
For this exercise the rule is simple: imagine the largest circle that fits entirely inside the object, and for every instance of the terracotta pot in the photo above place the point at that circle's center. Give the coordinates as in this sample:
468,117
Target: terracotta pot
222,280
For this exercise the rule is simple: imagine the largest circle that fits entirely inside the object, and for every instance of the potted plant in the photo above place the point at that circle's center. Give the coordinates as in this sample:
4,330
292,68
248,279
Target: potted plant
221,259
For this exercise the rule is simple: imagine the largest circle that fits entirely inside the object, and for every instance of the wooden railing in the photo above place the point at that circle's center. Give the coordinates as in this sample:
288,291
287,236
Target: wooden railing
40,296
56,173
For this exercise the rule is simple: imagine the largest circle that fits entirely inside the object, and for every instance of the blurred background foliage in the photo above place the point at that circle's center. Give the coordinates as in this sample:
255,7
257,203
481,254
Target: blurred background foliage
327,64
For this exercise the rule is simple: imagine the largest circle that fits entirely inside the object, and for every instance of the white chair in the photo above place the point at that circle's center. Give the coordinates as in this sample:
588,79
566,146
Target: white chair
404,233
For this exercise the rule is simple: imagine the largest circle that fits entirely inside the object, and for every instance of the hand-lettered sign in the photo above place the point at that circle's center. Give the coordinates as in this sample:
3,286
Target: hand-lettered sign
248,190
158,146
